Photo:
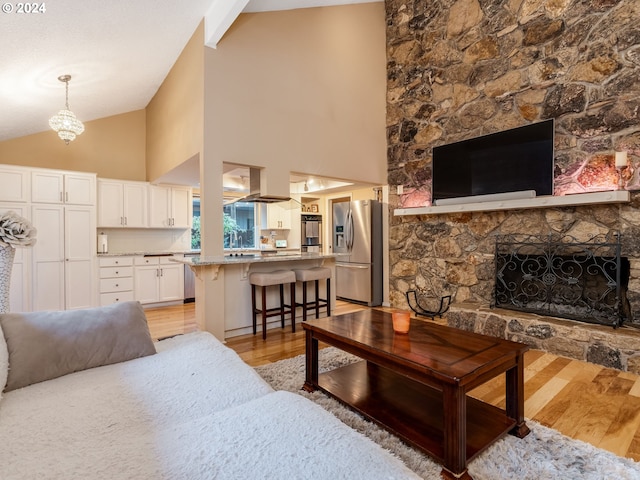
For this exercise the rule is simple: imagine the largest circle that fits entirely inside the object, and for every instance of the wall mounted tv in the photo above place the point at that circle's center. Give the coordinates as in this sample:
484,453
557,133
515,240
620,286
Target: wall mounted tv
518,160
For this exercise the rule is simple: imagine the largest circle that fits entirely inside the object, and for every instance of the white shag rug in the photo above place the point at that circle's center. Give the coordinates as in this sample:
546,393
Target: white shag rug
544,454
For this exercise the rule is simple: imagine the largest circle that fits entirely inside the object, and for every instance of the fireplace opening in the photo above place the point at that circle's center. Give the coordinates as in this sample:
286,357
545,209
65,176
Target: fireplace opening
562,277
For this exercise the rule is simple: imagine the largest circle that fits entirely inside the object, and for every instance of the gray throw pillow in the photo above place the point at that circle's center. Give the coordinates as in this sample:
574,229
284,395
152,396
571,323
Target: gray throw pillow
46,345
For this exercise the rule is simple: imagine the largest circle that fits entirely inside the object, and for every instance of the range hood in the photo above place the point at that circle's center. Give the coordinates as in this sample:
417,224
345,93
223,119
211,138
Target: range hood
258,191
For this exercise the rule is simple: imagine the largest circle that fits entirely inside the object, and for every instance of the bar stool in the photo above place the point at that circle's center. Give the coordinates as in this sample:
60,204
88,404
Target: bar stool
314,274
267,279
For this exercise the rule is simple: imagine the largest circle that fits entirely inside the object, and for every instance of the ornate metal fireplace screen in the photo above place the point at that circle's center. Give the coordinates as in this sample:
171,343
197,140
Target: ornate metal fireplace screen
561,277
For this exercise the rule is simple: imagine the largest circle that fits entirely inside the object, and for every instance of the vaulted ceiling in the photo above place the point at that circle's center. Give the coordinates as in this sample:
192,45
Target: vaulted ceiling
118,53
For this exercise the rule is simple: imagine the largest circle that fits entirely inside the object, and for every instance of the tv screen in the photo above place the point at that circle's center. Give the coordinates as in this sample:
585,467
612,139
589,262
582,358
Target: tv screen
513,160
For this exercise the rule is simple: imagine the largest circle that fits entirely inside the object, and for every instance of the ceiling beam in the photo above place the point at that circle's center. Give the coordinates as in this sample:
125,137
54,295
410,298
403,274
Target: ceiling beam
219,18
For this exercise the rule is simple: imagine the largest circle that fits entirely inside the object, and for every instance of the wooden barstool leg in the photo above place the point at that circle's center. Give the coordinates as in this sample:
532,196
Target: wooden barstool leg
317,299
304,301
264,313
293,306
253,307
282,310
328,297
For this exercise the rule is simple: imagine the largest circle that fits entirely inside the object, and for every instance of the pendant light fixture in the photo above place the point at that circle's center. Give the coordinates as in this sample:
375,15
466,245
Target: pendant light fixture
65,122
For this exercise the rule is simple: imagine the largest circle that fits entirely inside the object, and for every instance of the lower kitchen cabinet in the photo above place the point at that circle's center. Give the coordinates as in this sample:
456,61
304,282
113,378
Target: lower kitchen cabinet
158,279
80,255
116,280
63,257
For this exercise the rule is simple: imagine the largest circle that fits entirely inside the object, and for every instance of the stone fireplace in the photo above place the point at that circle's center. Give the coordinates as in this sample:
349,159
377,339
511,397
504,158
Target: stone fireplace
463,68
455,254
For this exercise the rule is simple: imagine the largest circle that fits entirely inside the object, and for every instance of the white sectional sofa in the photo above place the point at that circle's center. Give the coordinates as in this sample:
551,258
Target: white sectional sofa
193,410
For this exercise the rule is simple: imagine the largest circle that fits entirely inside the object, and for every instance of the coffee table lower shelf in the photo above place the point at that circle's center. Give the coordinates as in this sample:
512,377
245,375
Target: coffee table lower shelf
411,410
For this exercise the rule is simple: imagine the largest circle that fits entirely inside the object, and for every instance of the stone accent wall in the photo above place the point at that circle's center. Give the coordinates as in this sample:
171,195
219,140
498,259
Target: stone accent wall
592,343
459,69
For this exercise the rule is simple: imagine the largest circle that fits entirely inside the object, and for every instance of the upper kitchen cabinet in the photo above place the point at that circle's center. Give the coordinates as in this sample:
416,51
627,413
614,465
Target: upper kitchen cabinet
14,184
170,206
122,204
50,186
274,216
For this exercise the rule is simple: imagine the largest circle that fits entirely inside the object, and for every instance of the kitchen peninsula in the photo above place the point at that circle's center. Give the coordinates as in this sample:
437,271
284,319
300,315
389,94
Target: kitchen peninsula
226,309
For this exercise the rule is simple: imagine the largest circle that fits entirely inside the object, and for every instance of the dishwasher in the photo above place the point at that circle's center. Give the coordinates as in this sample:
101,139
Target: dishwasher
189,281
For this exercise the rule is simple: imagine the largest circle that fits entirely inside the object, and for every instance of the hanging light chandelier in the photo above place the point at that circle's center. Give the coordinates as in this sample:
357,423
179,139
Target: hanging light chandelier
65,122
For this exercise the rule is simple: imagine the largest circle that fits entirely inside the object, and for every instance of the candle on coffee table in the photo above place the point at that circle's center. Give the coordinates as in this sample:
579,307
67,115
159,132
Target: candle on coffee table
401,321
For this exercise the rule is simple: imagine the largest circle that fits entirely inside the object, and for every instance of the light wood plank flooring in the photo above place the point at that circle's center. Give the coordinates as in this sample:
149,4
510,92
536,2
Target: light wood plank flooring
594,404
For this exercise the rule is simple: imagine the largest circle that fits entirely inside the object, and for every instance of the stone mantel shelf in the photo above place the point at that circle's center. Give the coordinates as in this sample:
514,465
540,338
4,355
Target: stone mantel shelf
616,196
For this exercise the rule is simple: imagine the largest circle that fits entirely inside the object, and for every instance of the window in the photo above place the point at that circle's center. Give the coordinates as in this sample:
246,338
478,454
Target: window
195,226
239,225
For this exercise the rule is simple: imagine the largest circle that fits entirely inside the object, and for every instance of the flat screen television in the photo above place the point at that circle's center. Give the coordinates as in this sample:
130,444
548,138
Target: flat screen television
516,160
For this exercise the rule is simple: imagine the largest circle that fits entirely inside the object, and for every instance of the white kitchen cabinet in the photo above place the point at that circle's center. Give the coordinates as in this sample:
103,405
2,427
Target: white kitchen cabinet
274,216
146,284
181,207
19,287
48,258
122,204
80,254
14,184
110,204
170,206
158,279
58,272
51,186
116,279
171,285
63,257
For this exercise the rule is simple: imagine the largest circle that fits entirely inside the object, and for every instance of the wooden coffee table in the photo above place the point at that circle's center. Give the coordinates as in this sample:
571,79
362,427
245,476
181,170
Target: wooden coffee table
416,385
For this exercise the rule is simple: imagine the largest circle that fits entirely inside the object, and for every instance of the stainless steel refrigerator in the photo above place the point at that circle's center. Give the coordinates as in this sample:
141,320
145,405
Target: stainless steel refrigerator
357,236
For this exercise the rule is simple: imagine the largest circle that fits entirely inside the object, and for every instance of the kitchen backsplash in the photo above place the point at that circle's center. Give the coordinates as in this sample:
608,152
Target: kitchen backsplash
148,240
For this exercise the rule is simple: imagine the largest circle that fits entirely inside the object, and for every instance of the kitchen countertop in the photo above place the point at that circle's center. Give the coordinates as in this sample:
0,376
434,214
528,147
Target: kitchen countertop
244,252
156,253
229,259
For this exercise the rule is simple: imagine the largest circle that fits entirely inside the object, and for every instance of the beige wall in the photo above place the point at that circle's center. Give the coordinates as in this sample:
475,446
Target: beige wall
302,90
112,147
175,114
363,194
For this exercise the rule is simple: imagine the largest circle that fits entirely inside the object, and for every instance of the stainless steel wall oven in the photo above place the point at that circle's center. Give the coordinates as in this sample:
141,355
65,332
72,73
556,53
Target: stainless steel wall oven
311,232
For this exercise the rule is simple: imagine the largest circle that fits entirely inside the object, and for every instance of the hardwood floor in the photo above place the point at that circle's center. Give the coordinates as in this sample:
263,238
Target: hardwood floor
167,321
584,401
